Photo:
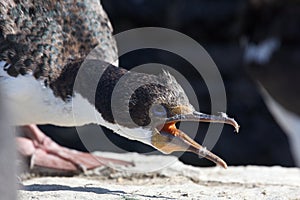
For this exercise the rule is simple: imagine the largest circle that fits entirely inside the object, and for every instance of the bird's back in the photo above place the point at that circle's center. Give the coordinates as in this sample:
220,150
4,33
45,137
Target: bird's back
42,37
42,44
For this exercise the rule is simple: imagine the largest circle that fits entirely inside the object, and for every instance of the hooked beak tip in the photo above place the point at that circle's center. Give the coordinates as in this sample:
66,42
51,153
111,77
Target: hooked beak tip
232,122
222,118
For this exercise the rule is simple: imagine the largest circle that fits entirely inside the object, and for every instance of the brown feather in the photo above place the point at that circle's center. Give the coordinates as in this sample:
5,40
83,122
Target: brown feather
43,37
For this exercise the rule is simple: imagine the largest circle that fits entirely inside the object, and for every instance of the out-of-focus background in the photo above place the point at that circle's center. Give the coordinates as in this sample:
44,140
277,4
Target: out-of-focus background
251,42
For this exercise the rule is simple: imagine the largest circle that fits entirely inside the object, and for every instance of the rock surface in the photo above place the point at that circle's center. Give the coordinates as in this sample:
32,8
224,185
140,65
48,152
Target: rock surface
164,177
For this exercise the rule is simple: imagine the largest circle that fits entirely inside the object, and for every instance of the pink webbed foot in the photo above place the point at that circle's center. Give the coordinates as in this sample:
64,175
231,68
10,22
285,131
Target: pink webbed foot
45,153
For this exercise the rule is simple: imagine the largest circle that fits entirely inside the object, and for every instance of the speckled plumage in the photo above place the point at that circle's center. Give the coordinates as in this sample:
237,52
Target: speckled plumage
43,51
49,40
42,37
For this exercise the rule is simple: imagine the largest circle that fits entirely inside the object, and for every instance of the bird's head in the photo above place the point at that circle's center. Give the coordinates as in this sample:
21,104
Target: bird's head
155,104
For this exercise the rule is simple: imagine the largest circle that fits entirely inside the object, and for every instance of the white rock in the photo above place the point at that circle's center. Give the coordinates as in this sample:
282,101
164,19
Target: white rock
174,181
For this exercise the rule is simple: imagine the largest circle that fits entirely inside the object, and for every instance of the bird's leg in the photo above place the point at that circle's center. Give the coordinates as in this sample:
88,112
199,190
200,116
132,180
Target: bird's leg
46,153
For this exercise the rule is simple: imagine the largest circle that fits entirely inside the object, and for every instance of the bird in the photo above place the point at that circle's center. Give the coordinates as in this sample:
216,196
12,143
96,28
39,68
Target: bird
270,57
43,46
273,82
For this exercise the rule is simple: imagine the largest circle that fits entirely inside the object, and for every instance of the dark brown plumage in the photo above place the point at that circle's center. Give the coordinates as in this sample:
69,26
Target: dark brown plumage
42,37
51,40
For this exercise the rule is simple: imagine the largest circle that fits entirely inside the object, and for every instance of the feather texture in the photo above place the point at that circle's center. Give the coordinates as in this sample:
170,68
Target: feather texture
42,37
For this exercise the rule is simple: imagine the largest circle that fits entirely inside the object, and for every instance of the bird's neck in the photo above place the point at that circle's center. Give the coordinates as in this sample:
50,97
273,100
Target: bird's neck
80,77
93,80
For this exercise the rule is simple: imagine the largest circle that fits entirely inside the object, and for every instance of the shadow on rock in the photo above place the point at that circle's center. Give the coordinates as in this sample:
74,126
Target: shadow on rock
97,190
55,187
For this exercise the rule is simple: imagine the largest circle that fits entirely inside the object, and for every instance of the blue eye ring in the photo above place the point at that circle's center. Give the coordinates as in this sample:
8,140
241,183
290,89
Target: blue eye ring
158,110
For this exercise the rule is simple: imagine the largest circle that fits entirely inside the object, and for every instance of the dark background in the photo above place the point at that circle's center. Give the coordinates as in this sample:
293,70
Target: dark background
220,27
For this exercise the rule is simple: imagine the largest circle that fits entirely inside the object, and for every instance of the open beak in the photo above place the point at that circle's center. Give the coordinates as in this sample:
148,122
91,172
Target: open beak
170,139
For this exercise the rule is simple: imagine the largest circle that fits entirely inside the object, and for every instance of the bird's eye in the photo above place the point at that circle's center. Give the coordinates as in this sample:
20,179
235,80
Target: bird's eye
158,110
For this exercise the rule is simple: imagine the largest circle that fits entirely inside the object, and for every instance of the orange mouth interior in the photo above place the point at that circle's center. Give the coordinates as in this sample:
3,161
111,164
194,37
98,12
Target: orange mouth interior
170,128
